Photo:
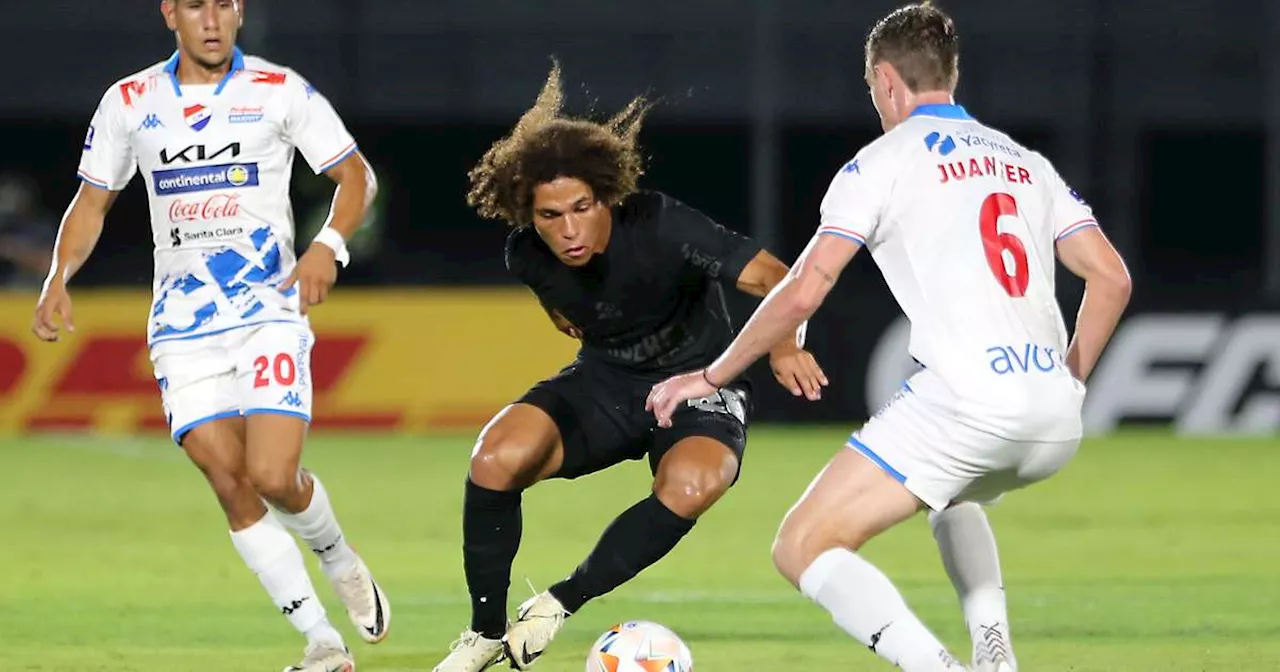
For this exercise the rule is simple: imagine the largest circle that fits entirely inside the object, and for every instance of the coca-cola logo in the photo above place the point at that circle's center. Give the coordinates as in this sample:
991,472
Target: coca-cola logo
218,206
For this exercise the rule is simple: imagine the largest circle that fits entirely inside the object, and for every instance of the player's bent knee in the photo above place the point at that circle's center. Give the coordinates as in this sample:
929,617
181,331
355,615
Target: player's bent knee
689,492
801,539
276,484
504,461
793,549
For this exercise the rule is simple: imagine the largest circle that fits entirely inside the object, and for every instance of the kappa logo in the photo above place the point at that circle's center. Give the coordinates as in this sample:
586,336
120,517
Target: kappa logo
293,606
150,122
291,399
197,116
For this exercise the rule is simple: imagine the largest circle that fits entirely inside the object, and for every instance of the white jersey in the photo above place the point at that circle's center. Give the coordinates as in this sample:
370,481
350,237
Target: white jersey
217,161
962,222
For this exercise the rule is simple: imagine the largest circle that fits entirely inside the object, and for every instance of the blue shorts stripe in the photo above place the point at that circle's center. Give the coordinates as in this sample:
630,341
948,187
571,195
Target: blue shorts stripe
182,431
871,455
278,411
206,334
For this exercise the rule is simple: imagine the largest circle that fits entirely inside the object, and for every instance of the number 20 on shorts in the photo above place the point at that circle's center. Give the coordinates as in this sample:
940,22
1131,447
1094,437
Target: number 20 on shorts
996,244
282,368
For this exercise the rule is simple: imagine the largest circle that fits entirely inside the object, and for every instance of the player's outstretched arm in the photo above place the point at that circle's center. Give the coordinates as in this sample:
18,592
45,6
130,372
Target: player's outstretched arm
77,236
792,302
1089,255
793,367
317,270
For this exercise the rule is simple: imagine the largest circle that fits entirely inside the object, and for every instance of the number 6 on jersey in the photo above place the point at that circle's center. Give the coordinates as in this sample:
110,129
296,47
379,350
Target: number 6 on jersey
995,245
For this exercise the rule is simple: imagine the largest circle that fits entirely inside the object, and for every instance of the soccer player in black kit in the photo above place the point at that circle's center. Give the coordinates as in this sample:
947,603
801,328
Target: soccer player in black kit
637,277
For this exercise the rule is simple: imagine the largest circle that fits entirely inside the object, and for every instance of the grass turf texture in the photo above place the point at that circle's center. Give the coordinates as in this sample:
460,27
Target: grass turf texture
1147,553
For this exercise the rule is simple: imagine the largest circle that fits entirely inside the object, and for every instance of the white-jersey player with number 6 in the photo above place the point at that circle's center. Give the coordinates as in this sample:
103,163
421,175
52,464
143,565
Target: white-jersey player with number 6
214,133
964,224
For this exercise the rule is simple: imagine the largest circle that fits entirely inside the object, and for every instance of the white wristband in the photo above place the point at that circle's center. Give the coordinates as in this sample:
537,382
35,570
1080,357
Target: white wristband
333,240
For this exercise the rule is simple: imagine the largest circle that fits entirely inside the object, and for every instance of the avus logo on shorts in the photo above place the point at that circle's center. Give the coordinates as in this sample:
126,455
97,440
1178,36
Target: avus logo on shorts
943,143
291,399
205,178
1024,358
152,121
197,116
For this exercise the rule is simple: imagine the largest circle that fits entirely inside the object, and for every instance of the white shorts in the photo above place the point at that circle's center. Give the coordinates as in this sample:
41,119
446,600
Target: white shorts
942,460
261,368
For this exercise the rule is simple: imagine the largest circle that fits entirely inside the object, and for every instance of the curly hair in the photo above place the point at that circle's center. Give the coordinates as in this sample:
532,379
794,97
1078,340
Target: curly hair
921,43
545,145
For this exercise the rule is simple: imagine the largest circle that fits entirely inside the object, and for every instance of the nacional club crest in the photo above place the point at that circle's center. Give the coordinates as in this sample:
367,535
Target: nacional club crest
197,117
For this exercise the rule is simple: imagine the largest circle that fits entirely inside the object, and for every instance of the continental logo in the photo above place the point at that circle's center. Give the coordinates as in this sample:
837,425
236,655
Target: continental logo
205,178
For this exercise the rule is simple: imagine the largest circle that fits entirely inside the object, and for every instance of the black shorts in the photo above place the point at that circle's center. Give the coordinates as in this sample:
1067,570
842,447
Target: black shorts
600,413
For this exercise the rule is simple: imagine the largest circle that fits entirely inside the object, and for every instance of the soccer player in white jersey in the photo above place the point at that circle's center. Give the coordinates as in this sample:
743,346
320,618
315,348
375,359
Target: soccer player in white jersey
964,224
213,133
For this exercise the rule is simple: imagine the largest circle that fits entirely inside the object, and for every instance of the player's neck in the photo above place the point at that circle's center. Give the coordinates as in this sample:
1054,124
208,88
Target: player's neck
191,72
929,98
608,233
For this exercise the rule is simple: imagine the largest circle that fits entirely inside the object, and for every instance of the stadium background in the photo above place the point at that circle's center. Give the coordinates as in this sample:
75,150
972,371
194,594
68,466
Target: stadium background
1158,112
1164,114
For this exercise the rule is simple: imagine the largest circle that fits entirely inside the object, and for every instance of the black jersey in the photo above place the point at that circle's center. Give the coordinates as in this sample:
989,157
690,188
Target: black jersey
652,302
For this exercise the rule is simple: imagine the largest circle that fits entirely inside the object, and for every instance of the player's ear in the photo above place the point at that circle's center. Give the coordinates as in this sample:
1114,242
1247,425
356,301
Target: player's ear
166,10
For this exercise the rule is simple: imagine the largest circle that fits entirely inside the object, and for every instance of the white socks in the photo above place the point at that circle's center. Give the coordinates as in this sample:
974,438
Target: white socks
968,549
319,529
865,604
270,551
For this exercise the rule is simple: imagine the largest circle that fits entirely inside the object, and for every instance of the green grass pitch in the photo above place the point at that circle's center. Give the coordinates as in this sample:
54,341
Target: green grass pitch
1148,553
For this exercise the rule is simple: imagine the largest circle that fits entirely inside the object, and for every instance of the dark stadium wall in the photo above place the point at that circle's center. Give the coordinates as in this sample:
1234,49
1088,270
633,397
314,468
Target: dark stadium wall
1196,252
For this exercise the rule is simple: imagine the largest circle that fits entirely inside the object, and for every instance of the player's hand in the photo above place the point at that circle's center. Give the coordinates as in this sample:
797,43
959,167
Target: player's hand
798,371
665,397
565,326
55,304
314,275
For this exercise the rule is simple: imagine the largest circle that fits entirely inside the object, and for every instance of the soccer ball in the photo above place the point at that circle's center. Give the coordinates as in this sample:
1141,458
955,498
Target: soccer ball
639,646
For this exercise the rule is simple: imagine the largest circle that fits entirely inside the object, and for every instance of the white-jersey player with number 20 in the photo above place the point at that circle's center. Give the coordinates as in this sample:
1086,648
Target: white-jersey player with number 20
964,224
213,133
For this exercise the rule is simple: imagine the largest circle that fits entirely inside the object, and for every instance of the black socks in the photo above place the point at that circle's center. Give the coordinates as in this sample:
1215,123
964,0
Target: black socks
633,541
490,538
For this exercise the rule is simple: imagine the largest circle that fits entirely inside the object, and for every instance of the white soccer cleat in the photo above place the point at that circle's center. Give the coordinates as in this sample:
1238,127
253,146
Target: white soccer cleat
471,653
540,618
366,604
992,652
325,657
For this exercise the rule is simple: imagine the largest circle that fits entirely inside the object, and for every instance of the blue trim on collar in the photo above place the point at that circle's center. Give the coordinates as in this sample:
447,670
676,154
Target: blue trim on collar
945,111
237,64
